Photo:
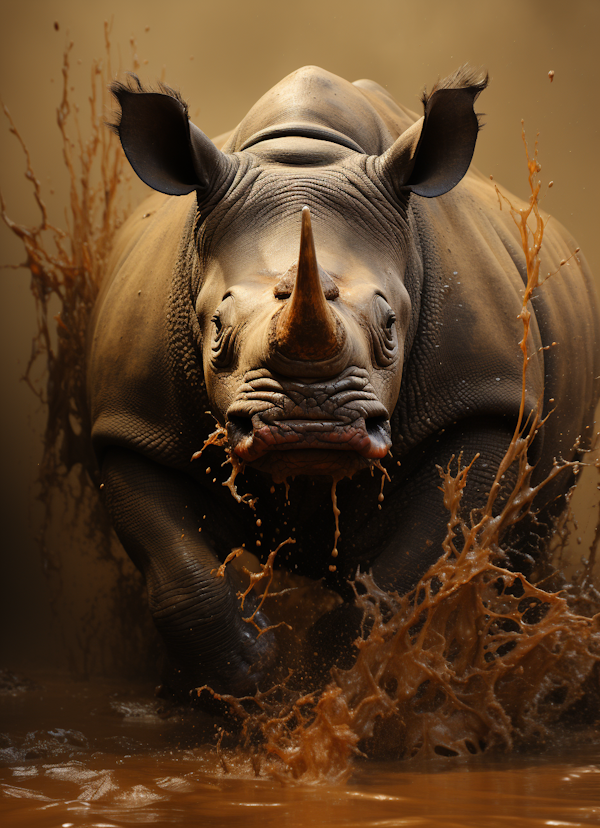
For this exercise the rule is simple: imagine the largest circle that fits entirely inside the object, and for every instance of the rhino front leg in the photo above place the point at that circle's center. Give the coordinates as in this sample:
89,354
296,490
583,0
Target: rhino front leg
157,513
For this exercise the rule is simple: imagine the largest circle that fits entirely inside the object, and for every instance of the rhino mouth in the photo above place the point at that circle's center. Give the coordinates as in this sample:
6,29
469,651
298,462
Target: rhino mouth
288,427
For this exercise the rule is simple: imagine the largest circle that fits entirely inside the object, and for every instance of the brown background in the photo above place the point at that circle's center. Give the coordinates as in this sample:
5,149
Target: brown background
223,56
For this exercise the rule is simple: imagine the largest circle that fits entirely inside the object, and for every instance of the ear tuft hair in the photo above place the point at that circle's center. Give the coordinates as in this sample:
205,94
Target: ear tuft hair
465,77
135,86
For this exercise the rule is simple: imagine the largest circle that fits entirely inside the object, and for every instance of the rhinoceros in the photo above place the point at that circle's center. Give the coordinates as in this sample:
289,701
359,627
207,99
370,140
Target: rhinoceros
333,287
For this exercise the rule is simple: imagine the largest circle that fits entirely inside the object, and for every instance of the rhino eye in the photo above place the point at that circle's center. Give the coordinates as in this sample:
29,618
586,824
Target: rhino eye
383,330
222,338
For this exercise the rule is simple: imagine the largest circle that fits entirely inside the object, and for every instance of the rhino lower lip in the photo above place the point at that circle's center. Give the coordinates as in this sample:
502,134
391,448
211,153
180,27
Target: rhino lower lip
368,439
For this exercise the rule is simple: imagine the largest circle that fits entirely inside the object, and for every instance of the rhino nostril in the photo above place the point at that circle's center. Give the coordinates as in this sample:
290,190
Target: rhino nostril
239,427
378,429
375,425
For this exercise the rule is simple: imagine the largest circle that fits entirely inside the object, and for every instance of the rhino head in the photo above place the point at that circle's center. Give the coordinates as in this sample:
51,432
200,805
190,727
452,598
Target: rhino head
307,301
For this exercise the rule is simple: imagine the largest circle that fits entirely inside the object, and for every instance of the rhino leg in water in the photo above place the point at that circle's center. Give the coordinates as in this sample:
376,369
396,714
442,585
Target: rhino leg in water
157,513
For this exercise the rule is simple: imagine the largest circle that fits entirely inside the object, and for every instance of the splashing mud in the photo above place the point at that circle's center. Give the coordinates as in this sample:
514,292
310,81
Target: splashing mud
67,265
219,438
476,658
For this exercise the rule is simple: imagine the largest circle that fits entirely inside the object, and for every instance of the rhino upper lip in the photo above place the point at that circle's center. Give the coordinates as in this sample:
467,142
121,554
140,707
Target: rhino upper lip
282,415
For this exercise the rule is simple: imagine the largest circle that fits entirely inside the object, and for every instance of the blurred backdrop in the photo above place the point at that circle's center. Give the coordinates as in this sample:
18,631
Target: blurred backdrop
223,57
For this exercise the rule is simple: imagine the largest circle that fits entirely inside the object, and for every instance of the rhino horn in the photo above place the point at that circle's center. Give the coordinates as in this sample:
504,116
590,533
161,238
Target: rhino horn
307,328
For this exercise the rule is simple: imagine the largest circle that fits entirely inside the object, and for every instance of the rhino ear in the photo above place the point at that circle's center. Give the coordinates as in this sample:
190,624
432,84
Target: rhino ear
433,155
164,148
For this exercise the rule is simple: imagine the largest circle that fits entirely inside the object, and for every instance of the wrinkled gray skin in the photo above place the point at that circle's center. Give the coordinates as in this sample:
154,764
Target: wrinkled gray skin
424,278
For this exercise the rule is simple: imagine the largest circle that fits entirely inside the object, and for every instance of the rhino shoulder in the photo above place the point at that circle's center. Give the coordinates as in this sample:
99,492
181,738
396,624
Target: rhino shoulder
130,389
153,211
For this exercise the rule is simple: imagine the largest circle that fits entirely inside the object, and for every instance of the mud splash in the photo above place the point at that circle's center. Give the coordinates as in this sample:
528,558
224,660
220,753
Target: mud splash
475,659
67,265
218,437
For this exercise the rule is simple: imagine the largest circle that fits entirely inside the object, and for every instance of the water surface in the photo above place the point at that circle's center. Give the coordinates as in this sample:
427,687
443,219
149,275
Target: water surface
102,754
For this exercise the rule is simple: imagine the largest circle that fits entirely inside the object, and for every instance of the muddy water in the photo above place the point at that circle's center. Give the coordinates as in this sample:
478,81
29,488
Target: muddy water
100,754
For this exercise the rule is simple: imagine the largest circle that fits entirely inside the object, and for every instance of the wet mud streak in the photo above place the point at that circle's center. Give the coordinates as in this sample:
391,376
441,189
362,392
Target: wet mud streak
266,572
384,476
336,517
336,511
235,553
219,438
